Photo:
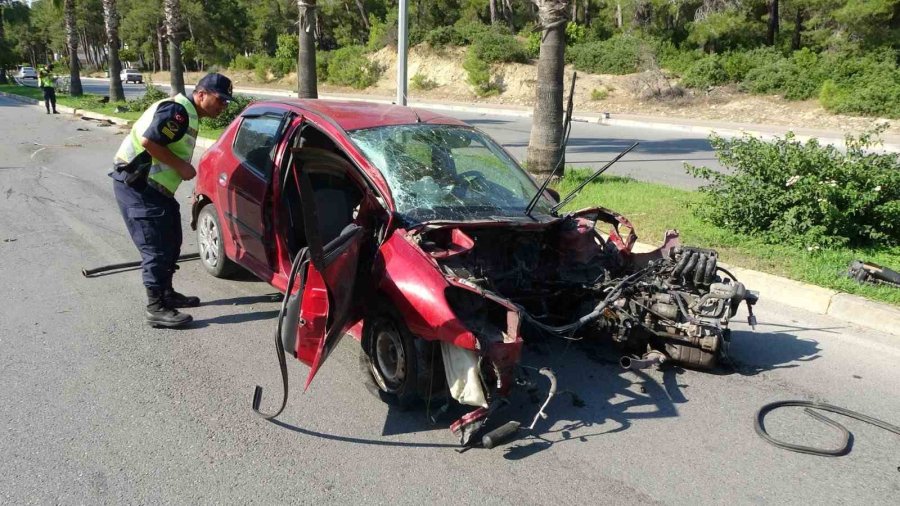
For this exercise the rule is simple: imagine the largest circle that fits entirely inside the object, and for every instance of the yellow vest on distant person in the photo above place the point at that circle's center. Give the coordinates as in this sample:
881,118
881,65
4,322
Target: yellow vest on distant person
162,177
47,80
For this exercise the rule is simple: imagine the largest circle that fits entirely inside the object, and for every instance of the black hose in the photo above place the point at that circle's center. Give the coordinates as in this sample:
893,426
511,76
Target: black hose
809,405
720,268
301,259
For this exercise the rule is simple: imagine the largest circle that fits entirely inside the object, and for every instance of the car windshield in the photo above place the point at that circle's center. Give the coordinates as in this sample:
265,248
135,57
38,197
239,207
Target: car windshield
446,172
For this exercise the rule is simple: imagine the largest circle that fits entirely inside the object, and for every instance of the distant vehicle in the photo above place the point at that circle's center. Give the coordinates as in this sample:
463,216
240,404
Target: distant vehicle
27,73
131,75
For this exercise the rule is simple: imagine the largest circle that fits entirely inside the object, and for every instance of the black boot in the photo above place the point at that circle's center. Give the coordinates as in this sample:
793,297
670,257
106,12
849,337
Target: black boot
160,314
176,300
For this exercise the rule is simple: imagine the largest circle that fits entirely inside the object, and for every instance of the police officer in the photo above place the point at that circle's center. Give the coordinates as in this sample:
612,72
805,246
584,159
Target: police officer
152,161
48,83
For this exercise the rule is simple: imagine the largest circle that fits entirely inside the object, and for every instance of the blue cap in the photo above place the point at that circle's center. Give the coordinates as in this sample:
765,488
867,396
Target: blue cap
216,83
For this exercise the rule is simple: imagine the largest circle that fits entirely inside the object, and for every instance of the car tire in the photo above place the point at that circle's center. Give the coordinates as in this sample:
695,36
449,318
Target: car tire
212,244
390,361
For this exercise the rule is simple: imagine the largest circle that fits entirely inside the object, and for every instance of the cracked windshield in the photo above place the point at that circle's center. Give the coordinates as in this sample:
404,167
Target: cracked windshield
441,172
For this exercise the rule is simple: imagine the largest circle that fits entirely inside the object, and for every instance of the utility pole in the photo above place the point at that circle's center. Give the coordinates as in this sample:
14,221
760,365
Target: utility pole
402,40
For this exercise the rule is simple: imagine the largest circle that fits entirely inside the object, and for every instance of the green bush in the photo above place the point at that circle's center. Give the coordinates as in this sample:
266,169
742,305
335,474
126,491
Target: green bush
234,108
704,73
804,194
737,64
323,58
862,85
619,55
674,59
349,66
421,82
261,70
533,44
441,36
494,47
575,34
242,62
382,33
151,95
479,75
467,32
599,94
285,60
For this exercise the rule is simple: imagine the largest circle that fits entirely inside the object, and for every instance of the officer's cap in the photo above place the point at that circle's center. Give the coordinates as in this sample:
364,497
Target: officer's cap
218,84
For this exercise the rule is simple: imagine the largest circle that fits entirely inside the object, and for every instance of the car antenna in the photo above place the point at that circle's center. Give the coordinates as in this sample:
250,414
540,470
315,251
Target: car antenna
594,176
567,127
418,119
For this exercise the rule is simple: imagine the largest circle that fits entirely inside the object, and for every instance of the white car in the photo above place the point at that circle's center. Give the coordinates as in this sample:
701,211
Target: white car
27,73
131,75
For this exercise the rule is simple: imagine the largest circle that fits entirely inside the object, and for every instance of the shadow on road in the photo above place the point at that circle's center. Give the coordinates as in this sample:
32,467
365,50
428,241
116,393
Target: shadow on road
249,299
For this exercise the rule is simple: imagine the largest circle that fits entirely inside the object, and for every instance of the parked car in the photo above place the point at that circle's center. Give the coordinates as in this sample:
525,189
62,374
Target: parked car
409,230
27,73
131,76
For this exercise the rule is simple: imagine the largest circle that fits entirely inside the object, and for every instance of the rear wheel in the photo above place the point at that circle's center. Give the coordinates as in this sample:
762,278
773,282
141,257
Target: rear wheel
212,244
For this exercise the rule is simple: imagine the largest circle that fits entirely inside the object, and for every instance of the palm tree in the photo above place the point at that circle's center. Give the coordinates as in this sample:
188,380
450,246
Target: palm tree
306,55
3,52
72,43
111,17
173,25
545,143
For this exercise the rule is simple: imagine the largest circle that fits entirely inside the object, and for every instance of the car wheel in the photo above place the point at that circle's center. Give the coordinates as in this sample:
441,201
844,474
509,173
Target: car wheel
390,361
212,244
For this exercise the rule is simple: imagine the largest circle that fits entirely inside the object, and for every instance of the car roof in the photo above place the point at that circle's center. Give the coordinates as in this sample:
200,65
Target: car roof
355,115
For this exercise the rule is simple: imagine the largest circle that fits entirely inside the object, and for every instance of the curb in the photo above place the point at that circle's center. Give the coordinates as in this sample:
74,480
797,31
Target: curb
815,299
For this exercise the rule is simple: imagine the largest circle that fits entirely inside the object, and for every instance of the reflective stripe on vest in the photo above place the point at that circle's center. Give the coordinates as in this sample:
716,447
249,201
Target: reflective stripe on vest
162,177
47,80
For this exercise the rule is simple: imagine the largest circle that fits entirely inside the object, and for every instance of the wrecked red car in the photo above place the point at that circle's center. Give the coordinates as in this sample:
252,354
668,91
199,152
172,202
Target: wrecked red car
408,230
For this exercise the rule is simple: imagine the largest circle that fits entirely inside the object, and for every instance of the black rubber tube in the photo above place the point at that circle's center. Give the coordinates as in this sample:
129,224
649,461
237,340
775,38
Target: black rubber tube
844,449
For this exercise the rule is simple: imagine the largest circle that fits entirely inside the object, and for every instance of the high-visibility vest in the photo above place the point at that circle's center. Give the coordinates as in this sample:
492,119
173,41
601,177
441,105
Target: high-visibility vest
161,176
47,80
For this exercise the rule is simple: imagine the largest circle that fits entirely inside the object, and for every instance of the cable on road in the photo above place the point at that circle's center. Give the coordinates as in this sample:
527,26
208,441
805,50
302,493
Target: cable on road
809,407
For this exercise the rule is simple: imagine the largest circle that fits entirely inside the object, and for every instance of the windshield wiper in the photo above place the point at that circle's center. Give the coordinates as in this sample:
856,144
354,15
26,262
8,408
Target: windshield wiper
594,176
567,127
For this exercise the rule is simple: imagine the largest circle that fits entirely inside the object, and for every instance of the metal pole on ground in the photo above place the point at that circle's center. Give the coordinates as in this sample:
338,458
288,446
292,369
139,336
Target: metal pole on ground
402,40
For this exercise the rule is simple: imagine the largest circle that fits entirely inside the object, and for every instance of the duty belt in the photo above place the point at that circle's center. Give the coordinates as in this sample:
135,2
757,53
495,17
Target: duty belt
160,188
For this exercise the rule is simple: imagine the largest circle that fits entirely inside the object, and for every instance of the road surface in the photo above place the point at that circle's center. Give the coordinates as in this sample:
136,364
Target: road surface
96,408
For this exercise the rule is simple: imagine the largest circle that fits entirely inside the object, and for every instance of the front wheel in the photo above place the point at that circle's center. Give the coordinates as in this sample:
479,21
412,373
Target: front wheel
389,361
212,244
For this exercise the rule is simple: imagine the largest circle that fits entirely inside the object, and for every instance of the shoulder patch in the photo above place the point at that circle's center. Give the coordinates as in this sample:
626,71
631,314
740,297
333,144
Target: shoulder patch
180,117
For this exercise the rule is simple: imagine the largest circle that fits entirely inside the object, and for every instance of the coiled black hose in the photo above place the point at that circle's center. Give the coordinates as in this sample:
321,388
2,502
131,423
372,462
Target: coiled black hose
810,406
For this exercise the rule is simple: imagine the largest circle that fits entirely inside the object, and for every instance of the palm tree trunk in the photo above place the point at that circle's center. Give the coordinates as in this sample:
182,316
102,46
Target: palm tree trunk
306,55
545,143
173,27
75,89
111,19
3,78
773,23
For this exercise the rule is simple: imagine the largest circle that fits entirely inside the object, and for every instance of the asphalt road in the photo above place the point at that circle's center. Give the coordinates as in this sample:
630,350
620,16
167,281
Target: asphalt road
659,158
96,408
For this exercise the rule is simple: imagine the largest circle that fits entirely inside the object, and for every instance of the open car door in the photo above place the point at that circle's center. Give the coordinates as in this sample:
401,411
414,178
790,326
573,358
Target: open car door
328,306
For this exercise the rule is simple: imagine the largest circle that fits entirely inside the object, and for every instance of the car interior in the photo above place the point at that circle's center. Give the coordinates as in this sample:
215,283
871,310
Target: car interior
336,193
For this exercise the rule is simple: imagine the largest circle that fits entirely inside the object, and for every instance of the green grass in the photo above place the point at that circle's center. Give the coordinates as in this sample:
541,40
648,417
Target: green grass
654,208
91,102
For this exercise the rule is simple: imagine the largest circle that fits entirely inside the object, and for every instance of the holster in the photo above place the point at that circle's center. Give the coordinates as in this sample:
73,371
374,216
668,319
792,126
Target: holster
135,174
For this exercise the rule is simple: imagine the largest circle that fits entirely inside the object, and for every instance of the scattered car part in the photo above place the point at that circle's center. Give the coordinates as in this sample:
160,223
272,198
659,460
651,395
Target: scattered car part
809,406
868,272
88,273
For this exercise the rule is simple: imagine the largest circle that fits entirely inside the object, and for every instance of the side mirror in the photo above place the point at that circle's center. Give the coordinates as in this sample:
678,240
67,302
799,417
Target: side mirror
552,193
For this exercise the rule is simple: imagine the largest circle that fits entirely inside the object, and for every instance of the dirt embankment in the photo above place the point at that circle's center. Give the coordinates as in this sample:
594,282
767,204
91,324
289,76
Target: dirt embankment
650,93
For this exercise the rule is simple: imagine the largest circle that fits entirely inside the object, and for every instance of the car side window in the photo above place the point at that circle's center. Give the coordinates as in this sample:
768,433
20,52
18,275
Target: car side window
254,142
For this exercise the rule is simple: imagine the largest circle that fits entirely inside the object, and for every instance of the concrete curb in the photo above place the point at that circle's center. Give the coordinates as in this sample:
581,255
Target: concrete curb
849,308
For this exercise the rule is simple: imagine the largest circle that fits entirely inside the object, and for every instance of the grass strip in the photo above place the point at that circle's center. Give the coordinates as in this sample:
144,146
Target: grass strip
654,208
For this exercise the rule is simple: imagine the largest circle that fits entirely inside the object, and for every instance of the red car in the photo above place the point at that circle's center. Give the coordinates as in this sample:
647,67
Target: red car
408,230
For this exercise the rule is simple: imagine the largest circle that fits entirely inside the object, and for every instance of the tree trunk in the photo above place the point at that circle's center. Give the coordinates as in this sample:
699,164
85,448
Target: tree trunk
798,29
362,14
3,78
493,8
111,20
173,29
773,22
306,55
75,89
509,15
160,45
545,143
619,15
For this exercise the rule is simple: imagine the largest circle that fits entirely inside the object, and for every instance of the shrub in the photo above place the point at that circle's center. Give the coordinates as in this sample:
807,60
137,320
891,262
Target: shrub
674,59
575,33
533,44
285,60
323,58
797,78
421,82
382,33
494,47
242,62
349,66
479,75
234,108
862,85
704,73
467,32
261,70
151,95
599,94
618,55
805,194
441,36
737,64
